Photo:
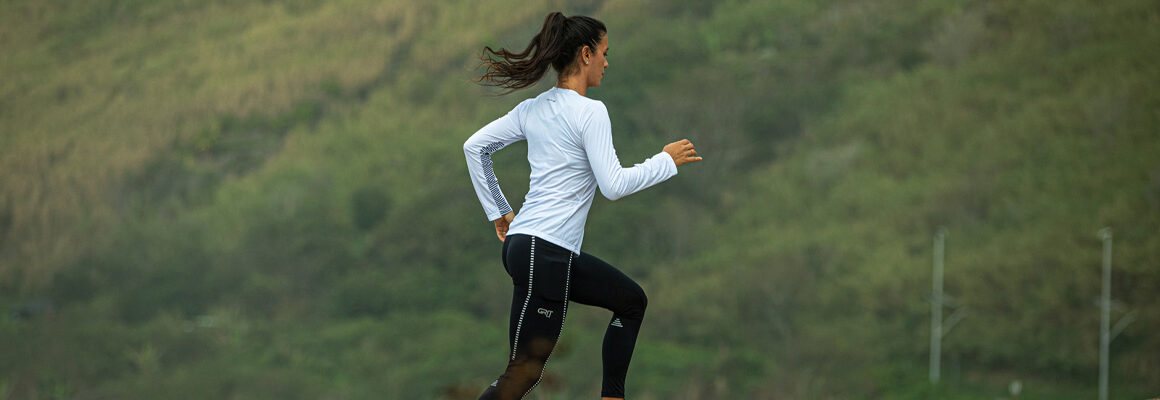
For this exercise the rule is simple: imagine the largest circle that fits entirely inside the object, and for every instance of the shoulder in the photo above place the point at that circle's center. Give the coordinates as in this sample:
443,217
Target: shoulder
591,117
520,112
594,105
590,109
519,108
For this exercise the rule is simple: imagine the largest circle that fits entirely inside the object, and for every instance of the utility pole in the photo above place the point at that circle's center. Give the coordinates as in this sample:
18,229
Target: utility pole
939,328
1105,311
936,304
1107,335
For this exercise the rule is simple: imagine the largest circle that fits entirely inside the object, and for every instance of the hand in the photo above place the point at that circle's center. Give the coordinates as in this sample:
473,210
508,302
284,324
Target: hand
682,152
501,225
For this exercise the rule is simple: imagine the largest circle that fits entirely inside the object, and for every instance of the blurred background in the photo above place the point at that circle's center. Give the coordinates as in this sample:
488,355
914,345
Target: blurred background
268,199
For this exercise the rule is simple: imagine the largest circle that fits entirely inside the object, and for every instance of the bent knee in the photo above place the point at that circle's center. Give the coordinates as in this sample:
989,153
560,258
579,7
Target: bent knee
635,303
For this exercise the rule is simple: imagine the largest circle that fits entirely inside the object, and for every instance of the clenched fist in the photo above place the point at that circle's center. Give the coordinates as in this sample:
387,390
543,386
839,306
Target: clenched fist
682,152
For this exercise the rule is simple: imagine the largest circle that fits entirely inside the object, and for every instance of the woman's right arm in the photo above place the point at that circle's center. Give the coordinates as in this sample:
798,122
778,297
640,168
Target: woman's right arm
478,150
615,180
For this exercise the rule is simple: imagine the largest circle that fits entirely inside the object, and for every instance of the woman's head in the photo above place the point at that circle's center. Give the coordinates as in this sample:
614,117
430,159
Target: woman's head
563,43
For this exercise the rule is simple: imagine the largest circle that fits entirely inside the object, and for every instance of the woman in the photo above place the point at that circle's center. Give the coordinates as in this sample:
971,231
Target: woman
570,151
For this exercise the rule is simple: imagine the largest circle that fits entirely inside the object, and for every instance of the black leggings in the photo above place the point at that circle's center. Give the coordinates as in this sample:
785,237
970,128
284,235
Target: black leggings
546,277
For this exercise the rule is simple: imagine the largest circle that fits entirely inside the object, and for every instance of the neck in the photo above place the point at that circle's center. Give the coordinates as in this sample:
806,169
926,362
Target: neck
574,82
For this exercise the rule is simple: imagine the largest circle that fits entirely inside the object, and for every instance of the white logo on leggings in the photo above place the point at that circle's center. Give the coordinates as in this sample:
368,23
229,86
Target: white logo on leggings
545,312
616,323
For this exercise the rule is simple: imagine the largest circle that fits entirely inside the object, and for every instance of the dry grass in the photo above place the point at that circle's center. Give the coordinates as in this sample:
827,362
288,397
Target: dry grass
93,92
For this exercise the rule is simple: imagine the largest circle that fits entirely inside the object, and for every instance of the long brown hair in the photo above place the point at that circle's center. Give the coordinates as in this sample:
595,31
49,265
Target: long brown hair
557,44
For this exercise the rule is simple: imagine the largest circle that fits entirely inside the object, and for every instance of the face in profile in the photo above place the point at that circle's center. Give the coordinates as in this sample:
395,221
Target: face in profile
594,71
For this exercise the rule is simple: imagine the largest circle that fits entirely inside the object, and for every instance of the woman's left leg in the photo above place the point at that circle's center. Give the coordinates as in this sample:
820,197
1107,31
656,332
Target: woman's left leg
541,273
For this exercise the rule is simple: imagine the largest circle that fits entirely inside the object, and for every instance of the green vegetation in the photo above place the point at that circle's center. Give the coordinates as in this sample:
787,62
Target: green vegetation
267,200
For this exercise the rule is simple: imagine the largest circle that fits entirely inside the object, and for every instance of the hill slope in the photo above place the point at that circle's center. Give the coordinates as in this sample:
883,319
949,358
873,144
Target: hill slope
266,200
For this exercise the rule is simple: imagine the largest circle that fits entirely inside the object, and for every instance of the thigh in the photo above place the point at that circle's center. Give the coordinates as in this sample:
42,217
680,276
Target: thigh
540,274
537,266
597,283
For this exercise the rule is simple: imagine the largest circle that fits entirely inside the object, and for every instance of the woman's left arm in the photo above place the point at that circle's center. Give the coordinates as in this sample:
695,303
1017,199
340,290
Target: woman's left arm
478,150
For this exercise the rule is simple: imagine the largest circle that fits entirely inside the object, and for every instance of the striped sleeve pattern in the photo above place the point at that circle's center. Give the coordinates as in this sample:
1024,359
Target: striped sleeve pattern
497,196
478,150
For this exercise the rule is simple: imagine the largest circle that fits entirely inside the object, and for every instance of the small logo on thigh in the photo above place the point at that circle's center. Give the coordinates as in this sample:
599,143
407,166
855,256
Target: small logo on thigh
545,312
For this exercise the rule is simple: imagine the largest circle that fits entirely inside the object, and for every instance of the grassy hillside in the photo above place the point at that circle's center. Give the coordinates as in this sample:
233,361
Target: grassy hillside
268,200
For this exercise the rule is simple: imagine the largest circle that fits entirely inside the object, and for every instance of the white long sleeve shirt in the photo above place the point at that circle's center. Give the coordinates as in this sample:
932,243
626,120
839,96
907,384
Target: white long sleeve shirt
570,151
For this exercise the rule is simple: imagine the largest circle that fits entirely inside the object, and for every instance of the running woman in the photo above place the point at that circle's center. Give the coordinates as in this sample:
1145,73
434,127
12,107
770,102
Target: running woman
570,151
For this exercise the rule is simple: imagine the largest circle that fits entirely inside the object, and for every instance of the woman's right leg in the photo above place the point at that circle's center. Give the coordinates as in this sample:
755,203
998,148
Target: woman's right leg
596,283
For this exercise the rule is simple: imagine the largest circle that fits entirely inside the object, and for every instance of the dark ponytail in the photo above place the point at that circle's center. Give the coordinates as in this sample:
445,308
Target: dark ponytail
557,44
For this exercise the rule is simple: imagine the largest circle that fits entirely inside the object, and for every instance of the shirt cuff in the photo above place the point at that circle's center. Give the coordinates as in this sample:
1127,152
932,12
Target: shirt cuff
495,216
671,165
